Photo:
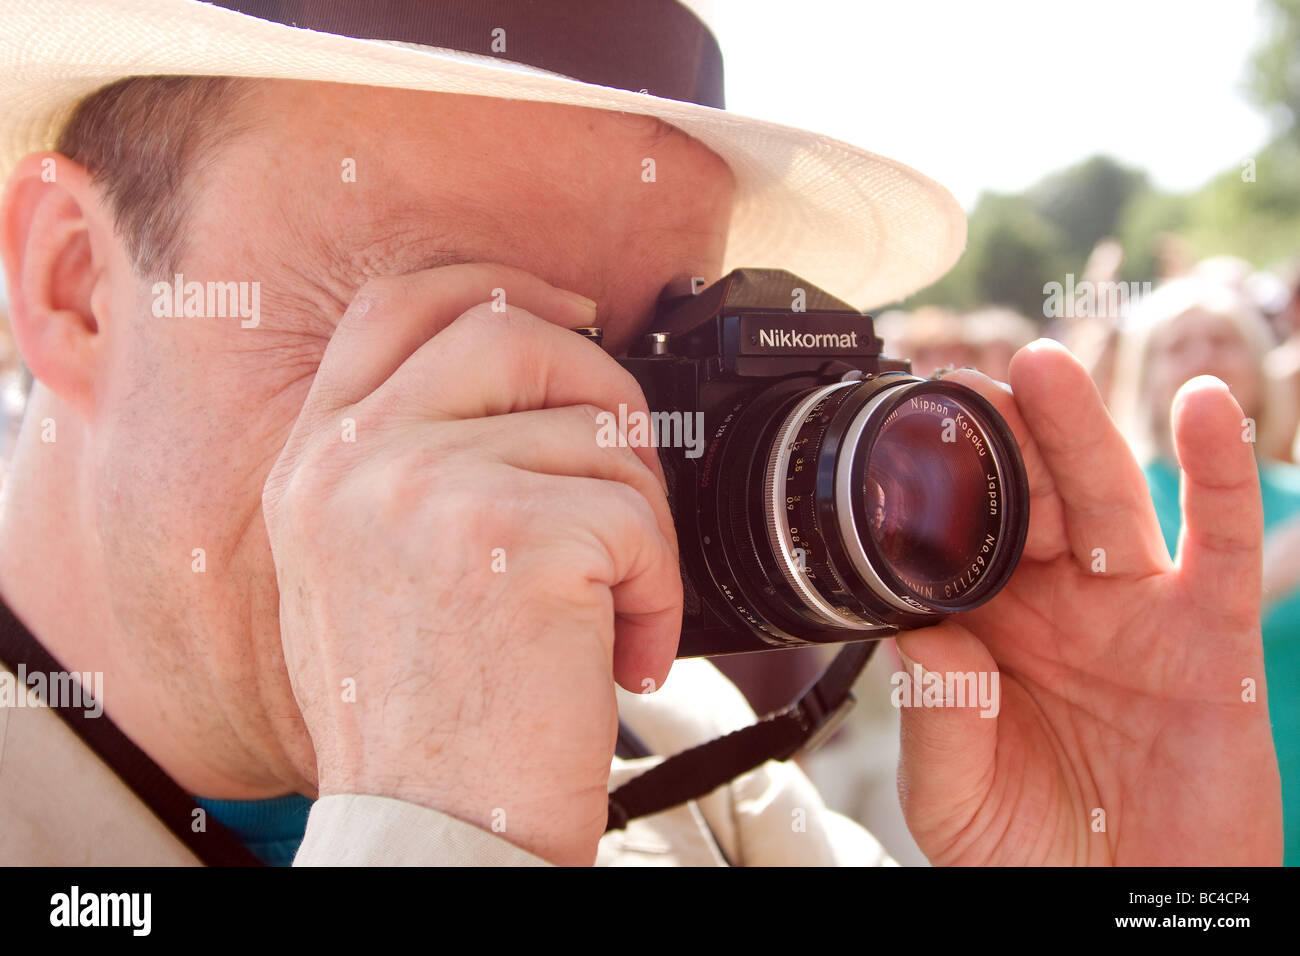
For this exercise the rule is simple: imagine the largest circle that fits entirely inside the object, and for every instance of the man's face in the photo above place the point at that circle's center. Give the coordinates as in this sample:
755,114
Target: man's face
193,411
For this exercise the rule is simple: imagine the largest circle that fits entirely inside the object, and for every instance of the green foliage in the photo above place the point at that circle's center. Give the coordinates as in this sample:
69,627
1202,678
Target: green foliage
1011,250
1017,243
1275,80
1084,202
1146,217
1252,211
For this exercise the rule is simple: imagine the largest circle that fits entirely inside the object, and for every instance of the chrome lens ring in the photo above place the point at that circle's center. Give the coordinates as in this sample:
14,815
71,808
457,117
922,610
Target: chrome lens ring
782,542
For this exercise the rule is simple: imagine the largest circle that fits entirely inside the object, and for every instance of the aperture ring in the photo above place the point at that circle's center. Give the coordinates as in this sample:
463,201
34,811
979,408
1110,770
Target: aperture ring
790,492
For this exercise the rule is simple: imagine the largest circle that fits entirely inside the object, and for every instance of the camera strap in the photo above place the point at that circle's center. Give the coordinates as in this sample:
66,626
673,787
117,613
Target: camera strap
798,728
215,845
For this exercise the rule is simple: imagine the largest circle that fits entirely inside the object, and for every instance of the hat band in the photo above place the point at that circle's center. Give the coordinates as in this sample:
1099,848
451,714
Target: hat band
653,46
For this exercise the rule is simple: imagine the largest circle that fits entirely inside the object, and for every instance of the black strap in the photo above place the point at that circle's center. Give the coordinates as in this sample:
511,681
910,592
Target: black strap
217,846
656,46
693,773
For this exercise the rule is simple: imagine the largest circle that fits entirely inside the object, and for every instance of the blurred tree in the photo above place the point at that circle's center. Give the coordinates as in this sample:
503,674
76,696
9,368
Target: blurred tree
1275,80
1011,251
1144,220
1252,211
1085,201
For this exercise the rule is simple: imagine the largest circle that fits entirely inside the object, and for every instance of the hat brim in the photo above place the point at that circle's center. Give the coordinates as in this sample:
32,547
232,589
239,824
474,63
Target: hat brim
865,228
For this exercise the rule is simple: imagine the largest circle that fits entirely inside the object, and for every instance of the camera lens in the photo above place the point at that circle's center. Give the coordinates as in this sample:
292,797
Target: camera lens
927,496
922,501
887,500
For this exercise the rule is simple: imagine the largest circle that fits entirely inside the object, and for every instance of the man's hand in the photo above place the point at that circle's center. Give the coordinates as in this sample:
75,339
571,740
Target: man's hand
463,570
1127,732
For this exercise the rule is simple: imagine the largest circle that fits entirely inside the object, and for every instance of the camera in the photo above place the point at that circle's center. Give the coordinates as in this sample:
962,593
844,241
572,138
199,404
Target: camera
821,493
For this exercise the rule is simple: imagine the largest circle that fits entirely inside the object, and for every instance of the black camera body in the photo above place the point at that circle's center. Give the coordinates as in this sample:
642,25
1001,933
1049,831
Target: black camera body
821,493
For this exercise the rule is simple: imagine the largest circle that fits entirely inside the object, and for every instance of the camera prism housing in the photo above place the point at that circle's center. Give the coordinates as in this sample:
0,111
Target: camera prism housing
829,495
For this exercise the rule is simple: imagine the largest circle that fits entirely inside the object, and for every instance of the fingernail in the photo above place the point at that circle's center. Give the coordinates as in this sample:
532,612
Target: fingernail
1212,381
949,370
580,300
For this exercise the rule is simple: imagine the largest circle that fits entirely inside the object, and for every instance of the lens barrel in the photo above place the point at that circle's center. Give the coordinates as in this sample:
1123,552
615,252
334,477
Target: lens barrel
889,500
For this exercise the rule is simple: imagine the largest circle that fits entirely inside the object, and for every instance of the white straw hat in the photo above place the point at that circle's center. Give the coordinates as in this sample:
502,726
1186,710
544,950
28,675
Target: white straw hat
867,229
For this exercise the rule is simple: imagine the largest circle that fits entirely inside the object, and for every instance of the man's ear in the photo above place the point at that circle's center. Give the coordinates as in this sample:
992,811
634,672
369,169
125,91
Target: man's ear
56,235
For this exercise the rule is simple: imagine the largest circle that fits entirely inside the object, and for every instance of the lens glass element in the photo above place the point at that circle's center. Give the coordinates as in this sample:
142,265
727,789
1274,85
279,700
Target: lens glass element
932,498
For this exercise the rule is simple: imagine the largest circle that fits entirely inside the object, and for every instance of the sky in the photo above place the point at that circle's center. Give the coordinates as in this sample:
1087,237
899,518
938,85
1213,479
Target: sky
993,95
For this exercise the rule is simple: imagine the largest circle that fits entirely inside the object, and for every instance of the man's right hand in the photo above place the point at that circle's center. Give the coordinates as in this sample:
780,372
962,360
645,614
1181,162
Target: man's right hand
451,541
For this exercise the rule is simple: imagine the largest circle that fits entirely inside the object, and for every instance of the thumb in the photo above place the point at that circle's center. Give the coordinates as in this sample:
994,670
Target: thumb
949,697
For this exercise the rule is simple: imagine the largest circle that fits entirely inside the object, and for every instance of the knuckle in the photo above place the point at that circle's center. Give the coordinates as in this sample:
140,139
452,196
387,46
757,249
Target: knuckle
635,397
465,507
484,319
482,327
517,341
273,492
297,494
285,504
377,294
633,503
590,415
628,389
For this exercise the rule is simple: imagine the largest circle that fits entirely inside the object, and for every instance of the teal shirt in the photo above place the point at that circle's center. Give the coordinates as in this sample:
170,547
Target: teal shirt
1280,486
271,829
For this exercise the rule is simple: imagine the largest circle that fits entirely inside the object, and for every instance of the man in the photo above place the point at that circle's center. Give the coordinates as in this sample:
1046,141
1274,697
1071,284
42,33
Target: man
275,534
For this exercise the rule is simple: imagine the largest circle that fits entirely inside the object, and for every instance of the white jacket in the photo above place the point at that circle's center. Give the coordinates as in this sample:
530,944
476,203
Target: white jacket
61,804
